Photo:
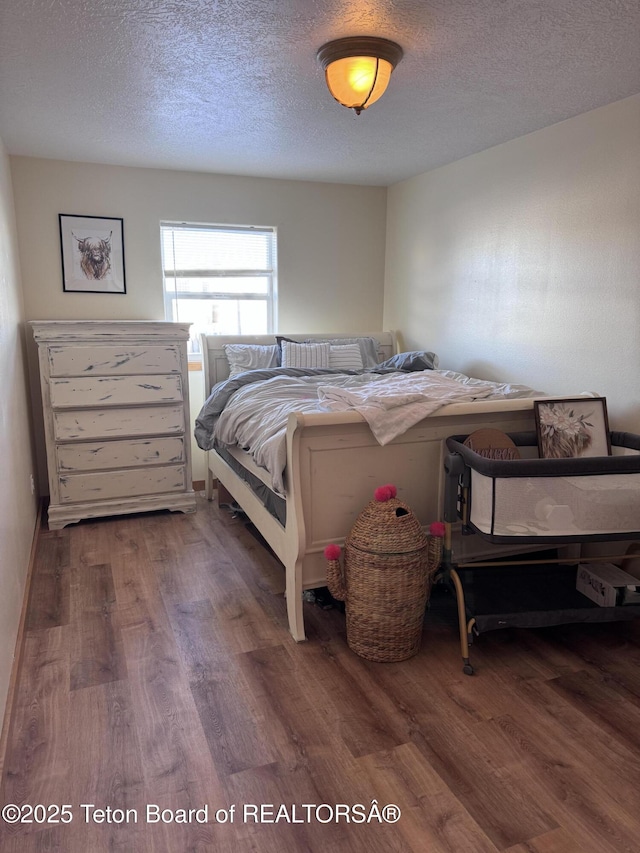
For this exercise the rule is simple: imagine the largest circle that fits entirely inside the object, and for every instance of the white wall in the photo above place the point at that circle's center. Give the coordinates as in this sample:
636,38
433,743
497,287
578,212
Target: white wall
523,262
330,238
330,244
17,505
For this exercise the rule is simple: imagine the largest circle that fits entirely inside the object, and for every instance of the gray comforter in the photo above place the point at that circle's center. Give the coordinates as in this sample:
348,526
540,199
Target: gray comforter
251,410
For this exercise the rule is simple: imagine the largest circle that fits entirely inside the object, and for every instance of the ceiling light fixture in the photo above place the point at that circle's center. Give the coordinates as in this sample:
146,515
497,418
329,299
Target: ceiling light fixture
358,68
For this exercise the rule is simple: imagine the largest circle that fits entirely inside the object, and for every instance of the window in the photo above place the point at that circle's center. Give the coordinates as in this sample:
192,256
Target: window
220,278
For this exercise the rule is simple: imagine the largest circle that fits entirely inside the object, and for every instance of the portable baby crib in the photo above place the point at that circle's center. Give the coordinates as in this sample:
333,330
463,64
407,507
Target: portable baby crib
528,504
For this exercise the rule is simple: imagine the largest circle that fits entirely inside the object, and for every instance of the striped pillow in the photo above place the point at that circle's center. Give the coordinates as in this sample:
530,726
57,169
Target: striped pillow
347,357
305,355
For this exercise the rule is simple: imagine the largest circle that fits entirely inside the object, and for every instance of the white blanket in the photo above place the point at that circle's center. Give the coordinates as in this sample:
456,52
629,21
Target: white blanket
395,403
255,417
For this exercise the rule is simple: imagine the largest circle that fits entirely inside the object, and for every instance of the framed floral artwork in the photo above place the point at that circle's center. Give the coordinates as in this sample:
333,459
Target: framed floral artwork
575,427
92,250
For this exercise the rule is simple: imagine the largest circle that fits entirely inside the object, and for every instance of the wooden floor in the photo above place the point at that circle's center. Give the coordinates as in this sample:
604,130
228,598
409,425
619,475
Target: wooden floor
158,671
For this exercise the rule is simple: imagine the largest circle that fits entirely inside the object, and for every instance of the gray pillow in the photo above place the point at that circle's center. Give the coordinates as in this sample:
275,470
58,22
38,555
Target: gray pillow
243,357
416,360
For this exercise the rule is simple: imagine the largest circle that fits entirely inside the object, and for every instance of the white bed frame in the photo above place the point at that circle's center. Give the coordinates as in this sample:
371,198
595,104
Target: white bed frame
334,465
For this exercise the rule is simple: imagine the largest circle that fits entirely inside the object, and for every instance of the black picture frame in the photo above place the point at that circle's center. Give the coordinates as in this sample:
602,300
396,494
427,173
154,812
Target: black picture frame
92,253
575,427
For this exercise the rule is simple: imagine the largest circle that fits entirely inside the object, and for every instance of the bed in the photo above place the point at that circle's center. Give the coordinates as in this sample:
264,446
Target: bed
334,463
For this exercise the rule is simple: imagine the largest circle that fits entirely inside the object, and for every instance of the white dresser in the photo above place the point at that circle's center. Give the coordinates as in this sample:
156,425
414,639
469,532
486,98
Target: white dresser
115,399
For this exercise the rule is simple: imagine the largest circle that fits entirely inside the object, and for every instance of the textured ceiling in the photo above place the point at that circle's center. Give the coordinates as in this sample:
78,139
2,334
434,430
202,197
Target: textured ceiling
233,86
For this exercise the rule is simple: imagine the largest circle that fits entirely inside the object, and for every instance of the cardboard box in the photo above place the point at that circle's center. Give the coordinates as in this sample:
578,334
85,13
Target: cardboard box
607,585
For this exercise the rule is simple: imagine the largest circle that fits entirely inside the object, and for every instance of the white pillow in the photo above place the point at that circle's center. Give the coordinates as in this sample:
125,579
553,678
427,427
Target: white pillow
243,357
347,357
305,355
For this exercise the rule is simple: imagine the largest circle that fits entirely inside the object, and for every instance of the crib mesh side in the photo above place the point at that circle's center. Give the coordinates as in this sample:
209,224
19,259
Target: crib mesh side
582,506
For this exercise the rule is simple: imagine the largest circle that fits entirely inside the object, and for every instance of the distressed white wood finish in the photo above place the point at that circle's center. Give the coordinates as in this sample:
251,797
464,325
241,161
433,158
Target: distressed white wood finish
114,423
116,414
63,514
120,333
81,360
132,453
113,484
334,464
102,391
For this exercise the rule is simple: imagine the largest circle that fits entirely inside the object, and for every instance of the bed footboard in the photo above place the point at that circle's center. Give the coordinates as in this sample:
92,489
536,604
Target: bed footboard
334,464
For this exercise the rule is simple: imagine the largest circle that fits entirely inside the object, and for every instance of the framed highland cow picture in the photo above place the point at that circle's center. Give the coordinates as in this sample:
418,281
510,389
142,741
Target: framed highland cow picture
92,249
572,428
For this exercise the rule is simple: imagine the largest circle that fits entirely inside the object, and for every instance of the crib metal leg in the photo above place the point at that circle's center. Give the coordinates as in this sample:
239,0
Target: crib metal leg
465,629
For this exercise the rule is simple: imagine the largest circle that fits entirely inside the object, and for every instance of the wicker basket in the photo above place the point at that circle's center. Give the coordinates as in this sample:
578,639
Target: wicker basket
388,565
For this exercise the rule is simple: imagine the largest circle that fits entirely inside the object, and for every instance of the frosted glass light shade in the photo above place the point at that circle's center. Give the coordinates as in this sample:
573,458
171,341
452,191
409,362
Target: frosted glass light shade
358,81
358,69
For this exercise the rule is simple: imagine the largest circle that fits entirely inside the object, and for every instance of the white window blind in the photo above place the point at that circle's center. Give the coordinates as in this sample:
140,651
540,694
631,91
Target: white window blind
220,278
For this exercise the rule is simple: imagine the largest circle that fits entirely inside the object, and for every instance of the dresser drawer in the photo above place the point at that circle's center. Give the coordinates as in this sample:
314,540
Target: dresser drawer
113,360
104,391
118,423
132,453
108,485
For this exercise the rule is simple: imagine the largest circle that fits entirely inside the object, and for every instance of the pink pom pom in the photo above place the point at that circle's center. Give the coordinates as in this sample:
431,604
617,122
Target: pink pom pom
382,494
332,552
437,528
392,490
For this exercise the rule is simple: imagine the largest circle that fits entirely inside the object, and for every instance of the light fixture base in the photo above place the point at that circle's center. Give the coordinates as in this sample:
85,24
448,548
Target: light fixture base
359,46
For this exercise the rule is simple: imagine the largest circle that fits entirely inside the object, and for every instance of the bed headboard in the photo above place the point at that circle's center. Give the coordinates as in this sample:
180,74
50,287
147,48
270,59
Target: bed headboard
216,366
